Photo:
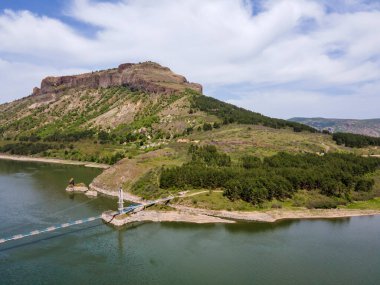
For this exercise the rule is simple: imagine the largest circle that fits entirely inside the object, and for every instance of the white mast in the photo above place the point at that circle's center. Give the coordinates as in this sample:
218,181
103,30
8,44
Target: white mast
120,203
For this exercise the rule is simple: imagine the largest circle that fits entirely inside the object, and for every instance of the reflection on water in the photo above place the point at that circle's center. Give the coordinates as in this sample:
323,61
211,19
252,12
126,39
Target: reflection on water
335,251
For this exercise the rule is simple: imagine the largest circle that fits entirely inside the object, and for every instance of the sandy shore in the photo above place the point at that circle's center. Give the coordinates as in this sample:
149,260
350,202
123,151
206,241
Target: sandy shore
52,160
203,216
280,214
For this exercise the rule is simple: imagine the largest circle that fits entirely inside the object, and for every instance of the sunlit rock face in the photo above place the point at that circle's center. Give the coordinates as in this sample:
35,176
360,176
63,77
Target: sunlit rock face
149,77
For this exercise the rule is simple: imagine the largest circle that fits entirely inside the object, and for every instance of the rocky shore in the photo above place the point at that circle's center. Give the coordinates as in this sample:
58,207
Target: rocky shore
161,216
82,188
127,196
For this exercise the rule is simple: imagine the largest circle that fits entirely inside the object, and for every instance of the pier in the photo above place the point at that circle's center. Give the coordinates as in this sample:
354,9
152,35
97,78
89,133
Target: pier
107,217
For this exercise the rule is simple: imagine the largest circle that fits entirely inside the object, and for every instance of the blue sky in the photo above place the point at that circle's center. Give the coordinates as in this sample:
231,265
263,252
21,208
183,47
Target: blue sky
283,58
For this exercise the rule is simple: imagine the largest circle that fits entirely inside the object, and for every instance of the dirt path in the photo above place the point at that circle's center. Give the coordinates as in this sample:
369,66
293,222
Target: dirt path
198,193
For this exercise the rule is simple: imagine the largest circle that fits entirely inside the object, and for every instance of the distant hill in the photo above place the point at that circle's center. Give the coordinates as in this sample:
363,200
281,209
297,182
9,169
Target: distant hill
370,127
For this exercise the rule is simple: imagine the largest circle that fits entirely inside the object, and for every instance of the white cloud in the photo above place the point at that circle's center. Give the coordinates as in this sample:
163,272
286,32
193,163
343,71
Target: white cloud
323,54
42,37
19,78
295,103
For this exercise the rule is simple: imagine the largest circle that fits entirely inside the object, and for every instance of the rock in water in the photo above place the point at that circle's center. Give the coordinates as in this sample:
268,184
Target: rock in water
79,188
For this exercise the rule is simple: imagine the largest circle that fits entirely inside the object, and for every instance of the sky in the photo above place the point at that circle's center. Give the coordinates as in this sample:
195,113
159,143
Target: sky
282,58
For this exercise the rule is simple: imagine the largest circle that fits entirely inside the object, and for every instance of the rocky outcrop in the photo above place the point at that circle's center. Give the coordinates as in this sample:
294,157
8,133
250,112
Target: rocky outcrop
111,217
149,77
91,193
78,188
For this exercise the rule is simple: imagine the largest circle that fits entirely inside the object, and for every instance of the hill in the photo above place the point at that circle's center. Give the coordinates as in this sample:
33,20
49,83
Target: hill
115,112
370,127
145,120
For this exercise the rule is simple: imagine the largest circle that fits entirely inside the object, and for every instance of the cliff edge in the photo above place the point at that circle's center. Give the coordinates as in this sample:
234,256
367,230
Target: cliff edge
148,77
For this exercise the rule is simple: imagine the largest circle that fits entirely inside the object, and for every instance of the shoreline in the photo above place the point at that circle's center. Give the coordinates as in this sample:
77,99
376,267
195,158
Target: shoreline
198,215
280,214
161,216
204,216
52,160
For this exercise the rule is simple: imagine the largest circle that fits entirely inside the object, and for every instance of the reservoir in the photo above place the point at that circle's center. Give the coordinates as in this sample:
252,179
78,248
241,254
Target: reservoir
32,196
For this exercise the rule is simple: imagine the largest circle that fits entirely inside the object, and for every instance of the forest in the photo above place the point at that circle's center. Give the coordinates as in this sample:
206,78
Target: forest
28,148
277,177
355,140
229,113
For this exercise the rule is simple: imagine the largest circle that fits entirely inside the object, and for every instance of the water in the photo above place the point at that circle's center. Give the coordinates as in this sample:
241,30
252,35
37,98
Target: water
341,251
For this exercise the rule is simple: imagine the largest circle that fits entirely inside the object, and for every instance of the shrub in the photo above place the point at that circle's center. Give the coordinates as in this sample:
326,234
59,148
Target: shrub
276,206
207,127
322,203
355,140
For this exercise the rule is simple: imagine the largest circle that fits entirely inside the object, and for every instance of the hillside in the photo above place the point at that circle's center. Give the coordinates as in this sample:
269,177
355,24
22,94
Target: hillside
370,127
114,113
145,120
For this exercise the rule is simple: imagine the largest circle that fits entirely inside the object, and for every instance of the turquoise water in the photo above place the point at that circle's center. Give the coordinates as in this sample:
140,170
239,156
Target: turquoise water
32,196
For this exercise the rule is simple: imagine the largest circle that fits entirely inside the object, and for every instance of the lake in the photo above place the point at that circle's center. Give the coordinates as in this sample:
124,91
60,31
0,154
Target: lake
32,196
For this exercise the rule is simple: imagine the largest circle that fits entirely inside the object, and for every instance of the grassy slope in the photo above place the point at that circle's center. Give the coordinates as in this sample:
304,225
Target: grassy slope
238,140
129,172
117,110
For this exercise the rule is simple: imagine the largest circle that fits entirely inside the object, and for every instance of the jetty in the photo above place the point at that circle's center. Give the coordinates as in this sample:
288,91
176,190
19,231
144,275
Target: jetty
107,217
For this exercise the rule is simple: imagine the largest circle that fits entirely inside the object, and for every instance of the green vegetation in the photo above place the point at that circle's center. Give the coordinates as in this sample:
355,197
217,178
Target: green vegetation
71,129
107,124
354,140
148,185
27,148
277,177
373,204
215,200
259,141
209,156
229,113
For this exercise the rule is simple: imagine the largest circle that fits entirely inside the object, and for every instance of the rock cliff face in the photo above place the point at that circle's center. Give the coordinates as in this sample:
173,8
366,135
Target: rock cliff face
148,77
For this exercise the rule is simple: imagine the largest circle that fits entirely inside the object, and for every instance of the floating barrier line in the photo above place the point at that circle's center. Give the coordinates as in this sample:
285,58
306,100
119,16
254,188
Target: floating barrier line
82,221
49,229
65,225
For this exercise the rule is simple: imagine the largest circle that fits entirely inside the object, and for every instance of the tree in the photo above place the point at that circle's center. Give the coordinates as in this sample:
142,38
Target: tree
207,127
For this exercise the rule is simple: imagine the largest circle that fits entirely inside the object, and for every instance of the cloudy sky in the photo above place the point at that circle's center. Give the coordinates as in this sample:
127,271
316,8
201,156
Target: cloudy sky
282,58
